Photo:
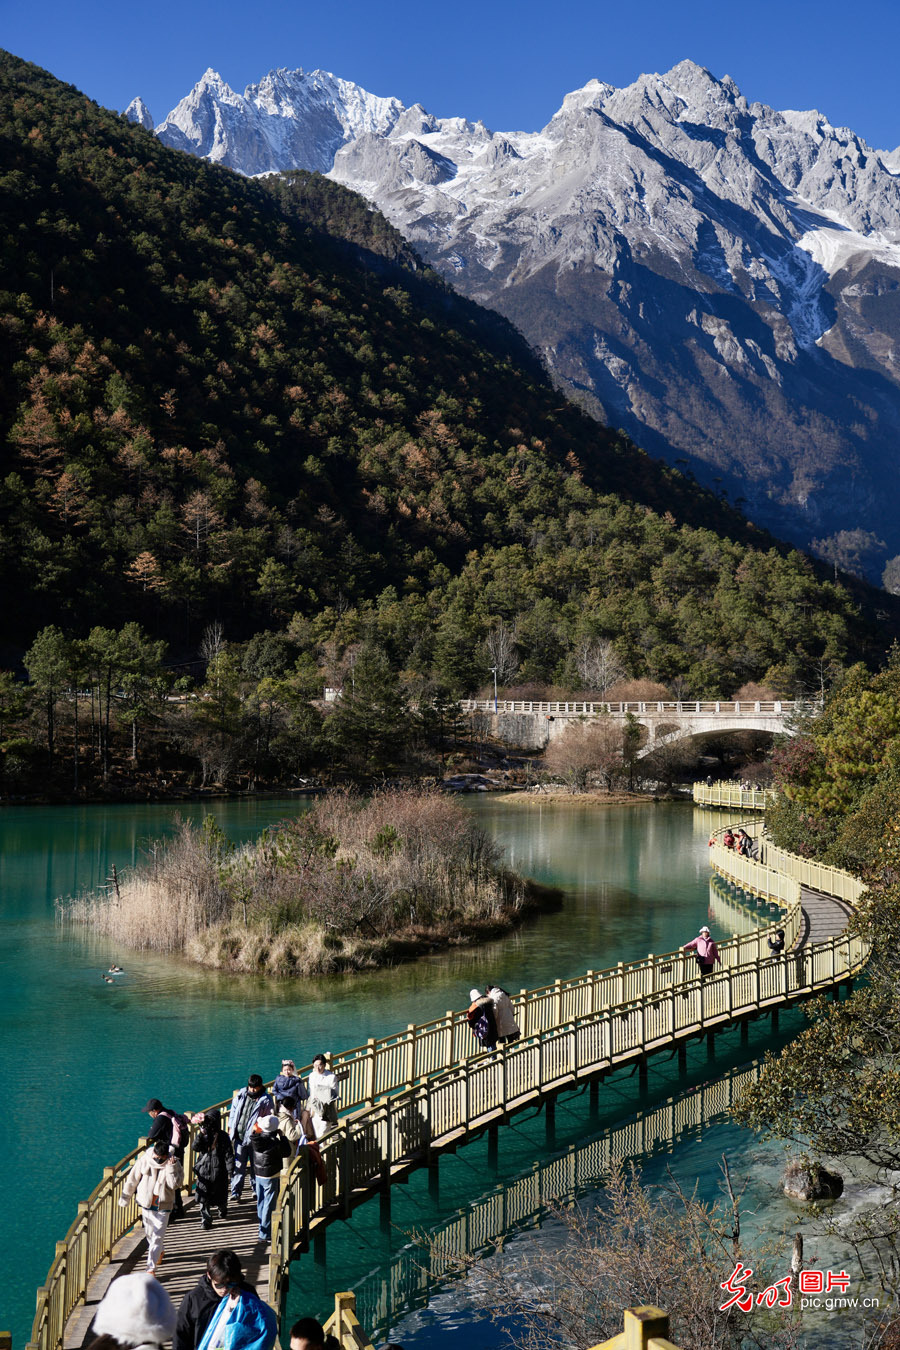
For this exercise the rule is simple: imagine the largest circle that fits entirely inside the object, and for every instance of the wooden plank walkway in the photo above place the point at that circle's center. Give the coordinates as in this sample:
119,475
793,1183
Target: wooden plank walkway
187,1249
823,917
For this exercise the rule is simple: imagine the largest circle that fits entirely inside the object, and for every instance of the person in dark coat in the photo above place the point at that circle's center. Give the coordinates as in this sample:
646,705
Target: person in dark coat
268,1149
213,1166
223,1272
482,1019
172,1128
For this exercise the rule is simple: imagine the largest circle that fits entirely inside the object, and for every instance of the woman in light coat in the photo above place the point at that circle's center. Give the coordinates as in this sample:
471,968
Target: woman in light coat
154,1181
507,1026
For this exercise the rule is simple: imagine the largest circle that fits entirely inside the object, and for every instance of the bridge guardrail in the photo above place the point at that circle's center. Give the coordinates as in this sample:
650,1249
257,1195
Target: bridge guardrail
641,707
391,1066
732,794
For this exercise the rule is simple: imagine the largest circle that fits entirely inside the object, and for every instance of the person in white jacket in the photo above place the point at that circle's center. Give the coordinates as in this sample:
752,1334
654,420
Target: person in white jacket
154,1181
507,1026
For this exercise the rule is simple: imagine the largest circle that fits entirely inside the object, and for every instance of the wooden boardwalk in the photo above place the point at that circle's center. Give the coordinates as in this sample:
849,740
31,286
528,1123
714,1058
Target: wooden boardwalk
421,1092
187,1249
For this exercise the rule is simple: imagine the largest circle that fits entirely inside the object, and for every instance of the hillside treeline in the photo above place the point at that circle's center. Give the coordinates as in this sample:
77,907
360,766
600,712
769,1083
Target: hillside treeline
246,407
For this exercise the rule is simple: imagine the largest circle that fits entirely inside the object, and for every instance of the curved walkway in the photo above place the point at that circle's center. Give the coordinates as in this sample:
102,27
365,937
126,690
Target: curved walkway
414,1095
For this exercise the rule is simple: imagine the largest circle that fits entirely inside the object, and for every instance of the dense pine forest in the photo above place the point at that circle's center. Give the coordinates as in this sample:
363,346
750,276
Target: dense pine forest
252,446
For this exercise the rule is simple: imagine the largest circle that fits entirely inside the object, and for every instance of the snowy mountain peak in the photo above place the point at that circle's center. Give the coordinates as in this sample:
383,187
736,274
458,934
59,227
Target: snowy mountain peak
137,111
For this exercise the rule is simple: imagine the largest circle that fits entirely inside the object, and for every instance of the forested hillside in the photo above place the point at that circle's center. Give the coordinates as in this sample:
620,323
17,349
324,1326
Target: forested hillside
246,403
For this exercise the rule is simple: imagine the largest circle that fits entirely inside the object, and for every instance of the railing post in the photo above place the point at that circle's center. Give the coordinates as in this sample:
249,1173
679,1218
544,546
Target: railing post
369,1073
651,960
449,1057
523,1010
592,1001
620,982
410,1053
111,1210
557,1002
642,1326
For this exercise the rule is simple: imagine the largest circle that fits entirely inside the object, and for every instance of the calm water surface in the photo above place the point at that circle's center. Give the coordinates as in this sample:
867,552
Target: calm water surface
79,1057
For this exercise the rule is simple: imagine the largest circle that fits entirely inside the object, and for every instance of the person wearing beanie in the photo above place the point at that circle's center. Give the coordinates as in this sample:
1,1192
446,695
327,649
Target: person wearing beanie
135,1311
248,1105
268,1148
154,1181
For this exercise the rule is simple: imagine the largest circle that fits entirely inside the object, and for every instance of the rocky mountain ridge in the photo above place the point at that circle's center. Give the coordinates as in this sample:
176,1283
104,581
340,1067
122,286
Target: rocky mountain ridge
719,278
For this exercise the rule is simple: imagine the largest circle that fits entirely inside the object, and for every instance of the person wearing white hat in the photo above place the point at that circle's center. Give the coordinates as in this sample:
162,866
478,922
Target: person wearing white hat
268,1148
705,950
135,1311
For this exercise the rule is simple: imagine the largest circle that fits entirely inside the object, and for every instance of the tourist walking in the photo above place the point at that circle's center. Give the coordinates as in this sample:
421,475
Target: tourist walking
705,950
482,1019
504,1016
776,943
173,1129
241,1322
268,1149
324,1090
154,1181
223,1272
213,1166
249,1104
135,1310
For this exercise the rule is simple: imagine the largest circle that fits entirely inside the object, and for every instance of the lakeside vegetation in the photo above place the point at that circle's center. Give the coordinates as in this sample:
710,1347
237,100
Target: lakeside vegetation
351,884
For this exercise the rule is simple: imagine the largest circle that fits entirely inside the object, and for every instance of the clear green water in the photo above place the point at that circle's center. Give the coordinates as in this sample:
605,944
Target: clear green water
79,1057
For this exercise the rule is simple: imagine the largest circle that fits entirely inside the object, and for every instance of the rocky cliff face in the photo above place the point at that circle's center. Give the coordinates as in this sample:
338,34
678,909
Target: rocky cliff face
720,279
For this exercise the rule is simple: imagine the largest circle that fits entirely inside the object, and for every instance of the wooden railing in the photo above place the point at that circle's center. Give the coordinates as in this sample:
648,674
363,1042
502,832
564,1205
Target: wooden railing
732,794
641,707
386,1078
556,1182
363,1154
345,1326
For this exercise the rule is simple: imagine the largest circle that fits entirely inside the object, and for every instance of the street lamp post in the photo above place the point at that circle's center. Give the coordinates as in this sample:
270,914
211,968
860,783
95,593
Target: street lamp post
494,673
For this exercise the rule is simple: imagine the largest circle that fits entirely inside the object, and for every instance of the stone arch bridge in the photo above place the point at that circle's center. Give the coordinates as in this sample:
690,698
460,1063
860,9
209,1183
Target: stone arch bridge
532,725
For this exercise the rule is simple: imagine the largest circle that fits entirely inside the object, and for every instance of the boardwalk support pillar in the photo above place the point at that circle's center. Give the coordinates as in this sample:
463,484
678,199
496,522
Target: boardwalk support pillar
434,1177
550,1118
710,1044
745,1031
774,1019
320,1249
493,1146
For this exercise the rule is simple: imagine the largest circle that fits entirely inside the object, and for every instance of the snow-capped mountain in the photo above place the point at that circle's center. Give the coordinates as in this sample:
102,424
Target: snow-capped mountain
290,120
720,279
137,111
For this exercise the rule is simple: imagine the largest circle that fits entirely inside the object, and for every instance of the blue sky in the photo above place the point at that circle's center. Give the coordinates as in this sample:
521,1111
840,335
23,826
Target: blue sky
507,63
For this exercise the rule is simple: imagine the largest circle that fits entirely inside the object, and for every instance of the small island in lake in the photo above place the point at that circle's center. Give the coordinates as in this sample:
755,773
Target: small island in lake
355,882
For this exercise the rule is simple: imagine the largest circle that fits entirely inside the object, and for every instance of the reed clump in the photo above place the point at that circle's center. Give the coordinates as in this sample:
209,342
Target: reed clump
355,882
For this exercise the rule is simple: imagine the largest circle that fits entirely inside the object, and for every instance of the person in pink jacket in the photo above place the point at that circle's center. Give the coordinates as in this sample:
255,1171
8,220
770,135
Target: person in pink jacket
705,950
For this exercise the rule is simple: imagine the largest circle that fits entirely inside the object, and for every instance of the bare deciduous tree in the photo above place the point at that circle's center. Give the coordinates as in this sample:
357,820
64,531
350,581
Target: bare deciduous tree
586,748
500,645
599,666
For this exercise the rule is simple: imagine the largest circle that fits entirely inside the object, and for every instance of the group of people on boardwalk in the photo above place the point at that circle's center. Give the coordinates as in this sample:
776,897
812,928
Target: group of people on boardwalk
740,841
264,1131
